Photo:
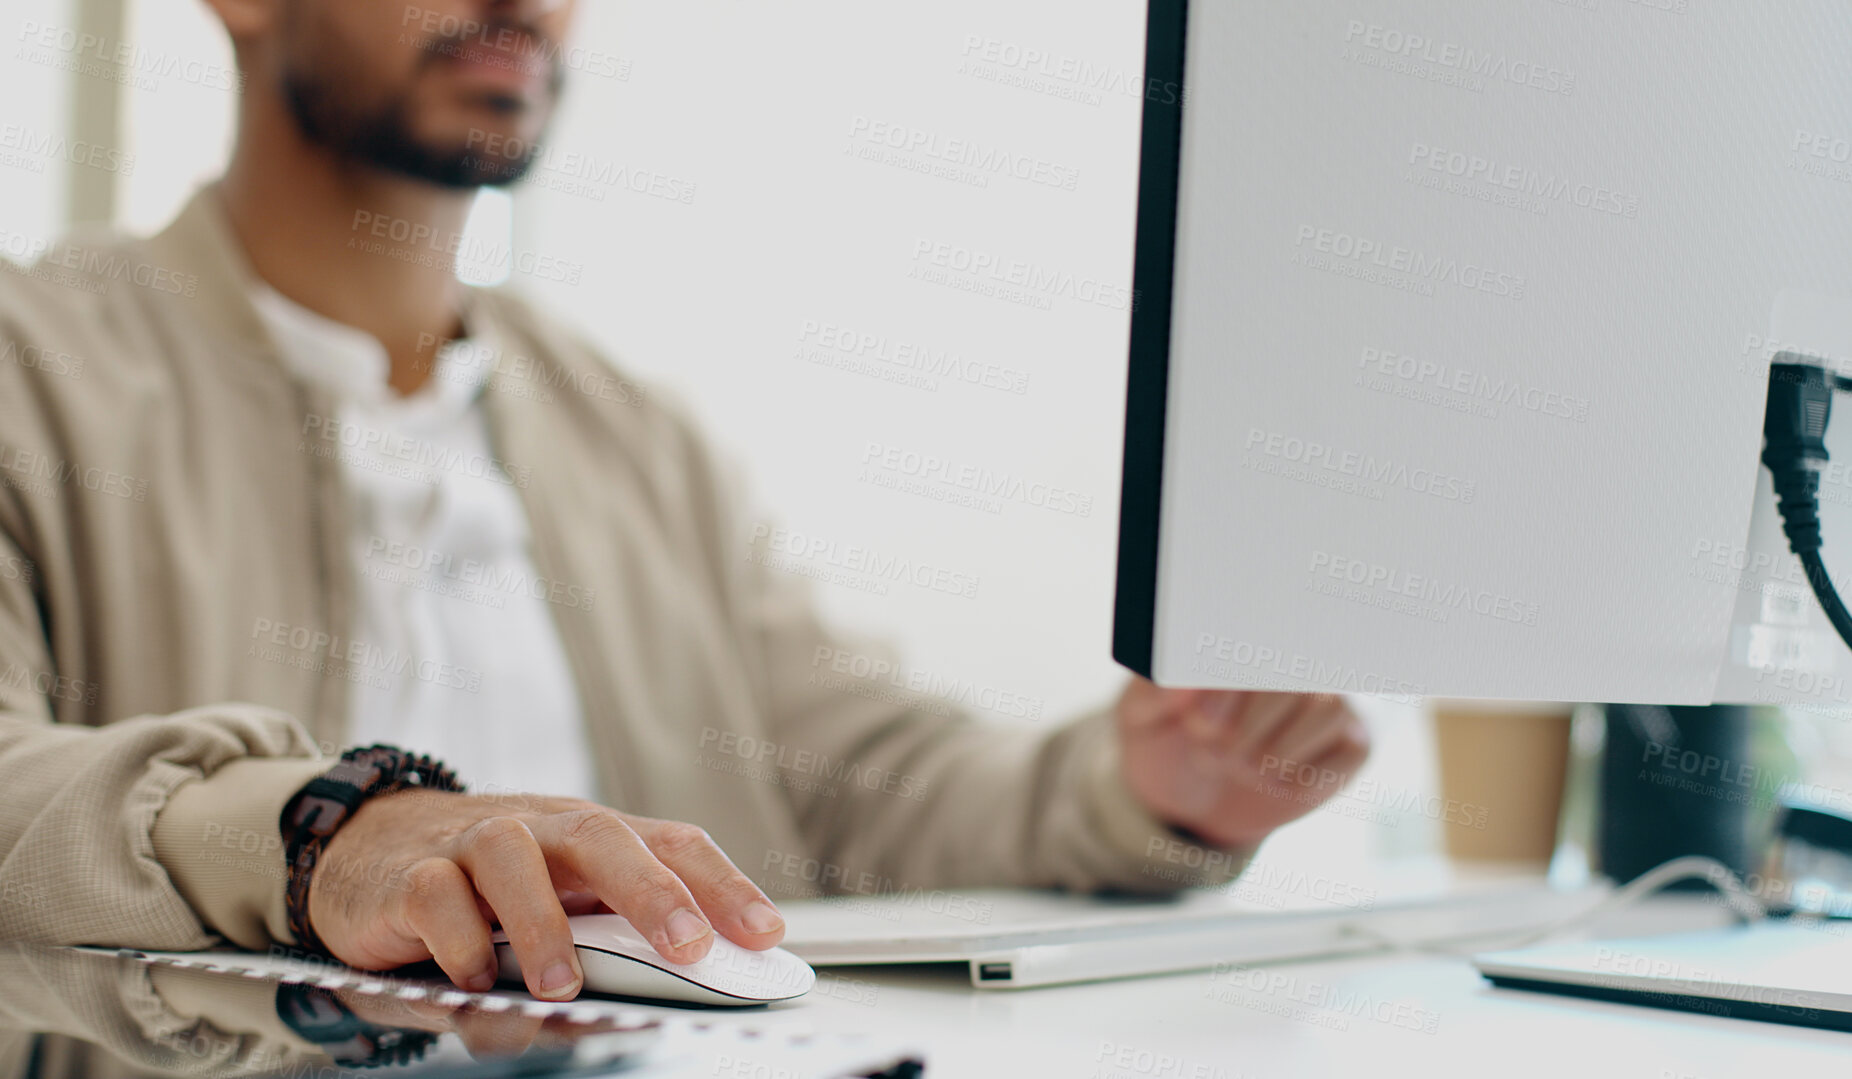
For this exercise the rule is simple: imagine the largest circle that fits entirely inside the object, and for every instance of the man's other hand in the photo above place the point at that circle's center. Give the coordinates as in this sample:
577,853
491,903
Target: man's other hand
422,875
1230,766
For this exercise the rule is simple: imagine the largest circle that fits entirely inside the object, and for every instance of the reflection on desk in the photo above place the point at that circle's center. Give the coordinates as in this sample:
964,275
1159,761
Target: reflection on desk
70,1013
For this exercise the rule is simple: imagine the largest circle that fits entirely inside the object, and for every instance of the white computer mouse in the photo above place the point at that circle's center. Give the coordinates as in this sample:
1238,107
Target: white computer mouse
618,960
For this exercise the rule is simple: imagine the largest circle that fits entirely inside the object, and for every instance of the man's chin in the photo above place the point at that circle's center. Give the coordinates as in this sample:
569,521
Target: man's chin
432,133
452,169
479,155
495,138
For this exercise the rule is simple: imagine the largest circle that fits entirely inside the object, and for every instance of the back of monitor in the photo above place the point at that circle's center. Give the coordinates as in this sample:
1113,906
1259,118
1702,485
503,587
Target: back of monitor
1452,334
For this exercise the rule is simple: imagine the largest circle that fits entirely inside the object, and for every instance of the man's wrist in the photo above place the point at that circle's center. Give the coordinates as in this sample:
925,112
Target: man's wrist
1216,840
1187,835
317,811
218,840
1158,852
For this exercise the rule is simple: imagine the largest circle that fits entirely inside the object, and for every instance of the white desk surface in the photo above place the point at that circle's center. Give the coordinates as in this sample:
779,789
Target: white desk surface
1204,1026
1363,1017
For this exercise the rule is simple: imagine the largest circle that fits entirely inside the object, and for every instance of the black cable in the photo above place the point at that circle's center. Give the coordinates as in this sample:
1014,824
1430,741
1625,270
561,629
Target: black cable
1828,595
1800,404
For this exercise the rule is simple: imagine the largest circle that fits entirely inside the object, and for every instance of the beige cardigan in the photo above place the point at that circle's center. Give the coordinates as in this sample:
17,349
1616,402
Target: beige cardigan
176,596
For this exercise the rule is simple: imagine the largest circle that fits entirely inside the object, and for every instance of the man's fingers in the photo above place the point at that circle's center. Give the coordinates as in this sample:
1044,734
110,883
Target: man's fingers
491,1035
507,866
733,903
1144,705
1314,729
440,909
1263,716
578,902
387,1010
608,855
1349,751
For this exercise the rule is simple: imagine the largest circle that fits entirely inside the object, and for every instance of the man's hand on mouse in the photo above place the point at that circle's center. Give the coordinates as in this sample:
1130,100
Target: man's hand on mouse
422,875
1230,766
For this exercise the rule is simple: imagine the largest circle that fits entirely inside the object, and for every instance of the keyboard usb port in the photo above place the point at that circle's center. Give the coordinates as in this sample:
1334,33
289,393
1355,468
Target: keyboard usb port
993,972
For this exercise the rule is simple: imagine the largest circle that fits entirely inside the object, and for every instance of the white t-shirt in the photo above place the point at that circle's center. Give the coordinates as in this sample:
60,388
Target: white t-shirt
459,657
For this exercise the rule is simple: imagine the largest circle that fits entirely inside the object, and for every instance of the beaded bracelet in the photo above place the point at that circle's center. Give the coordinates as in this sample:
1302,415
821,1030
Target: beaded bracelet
329,800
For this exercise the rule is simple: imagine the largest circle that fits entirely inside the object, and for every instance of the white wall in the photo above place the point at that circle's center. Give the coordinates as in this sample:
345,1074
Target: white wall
178,119
755,105
33,104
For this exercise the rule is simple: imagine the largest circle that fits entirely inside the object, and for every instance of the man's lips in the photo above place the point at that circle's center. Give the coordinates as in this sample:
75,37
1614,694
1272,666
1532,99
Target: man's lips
520,66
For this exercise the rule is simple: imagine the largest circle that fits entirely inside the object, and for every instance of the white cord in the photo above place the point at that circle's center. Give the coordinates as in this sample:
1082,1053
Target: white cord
1657,879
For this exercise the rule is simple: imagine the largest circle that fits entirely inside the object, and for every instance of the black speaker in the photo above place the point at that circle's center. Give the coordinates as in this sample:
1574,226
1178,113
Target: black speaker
1677,780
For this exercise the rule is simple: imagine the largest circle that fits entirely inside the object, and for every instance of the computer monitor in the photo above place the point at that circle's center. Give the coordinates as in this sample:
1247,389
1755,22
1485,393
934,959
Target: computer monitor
1451,340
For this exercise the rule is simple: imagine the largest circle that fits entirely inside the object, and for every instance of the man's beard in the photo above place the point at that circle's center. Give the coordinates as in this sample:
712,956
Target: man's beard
369,130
